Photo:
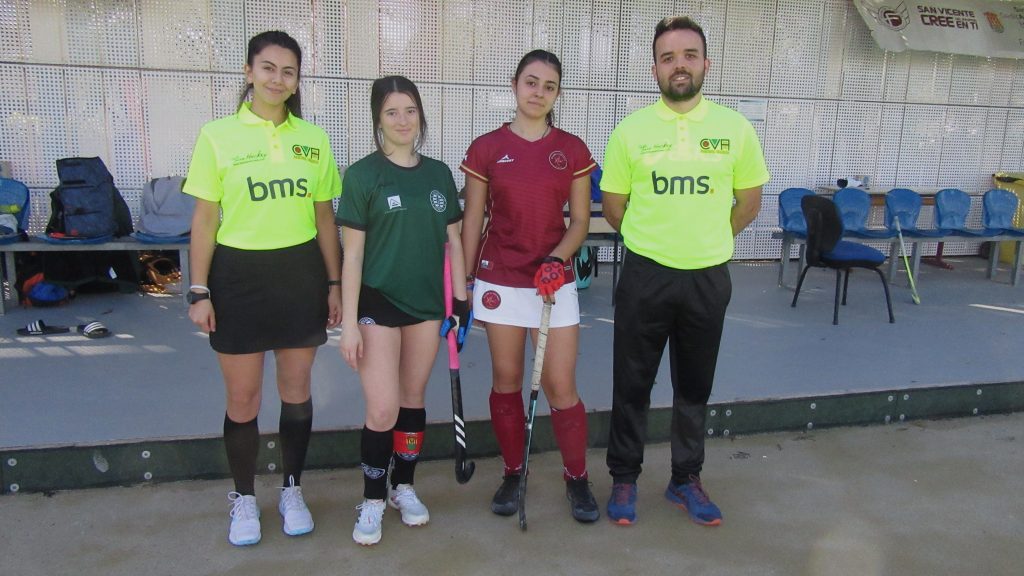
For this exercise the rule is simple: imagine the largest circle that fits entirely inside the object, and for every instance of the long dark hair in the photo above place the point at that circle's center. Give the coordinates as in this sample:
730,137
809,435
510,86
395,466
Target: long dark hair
379,92
547,58
275,38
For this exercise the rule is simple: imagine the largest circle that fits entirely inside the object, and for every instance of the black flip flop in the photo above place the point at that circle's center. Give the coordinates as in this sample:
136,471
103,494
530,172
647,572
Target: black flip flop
93,330
39,328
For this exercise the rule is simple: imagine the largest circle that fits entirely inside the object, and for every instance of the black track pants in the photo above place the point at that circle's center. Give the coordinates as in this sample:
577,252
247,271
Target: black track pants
655,304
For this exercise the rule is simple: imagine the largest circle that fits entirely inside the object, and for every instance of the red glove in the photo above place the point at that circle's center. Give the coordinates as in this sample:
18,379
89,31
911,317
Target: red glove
550,276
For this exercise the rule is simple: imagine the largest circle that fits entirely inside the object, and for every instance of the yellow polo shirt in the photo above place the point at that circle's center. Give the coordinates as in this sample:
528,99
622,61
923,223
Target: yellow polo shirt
265,177
679,171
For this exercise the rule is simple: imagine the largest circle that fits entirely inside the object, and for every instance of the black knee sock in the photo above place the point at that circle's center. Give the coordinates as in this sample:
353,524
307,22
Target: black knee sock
296,424
408,439
242,442
375,449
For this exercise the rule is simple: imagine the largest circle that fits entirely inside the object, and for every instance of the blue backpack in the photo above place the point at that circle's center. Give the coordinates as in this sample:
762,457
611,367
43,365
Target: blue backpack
86,204
14,205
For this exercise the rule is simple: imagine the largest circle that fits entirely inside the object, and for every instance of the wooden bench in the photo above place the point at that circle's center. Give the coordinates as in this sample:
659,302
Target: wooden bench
127,243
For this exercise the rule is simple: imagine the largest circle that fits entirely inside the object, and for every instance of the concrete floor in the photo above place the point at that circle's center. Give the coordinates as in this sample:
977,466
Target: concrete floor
920,498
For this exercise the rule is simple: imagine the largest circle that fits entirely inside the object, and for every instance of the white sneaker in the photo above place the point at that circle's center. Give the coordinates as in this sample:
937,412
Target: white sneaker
367,530
297,519
403,498
245,520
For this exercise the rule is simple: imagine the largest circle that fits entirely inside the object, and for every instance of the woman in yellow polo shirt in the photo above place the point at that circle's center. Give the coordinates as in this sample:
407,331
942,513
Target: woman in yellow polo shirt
265,266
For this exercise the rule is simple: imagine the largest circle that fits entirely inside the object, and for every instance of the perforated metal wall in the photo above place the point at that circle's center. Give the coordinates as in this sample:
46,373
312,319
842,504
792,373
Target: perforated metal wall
132,81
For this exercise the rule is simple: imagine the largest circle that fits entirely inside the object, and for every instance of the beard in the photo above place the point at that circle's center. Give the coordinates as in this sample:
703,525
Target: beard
683,93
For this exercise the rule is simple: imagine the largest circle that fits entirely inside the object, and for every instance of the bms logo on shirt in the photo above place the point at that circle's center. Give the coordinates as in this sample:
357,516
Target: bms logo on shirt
680,184
283,188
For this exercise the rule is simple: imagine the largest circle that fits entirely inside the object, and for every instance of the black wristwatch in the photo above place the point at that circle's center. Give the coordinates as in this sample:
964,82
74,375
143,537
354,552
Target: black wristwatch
192,297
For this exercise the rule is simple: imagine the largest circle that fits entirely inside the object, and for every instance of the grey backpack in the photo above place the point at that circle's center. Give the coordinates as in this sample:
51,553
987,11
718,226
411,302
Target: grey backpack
166,210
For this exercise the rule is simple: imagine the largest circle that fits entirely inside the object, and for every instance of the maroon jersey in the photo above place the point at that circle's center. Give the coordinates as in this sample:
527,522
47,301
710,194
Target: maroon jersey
528,184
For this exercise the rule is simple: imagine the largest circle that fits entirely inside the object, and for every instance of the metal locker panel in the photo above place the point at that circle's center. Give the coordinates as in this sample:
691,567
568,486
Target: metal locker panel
797,42
889,132
856,139
228,38
326,105
362,39
86,120
457,28
547,25
176,105
360,122
921,146
929,78
501,37
330,33
600,122
746,62
102,33
47,108
122,95
961,146
897,72
174,34
409,30
456,124
637,19
862,63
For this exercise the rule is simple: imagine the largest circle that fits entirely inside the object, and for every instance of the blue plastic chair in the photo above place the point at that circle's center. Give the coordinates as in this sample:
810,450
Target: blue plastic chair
951,208
791,215
14,193
998,209
854,207
905,204
825,249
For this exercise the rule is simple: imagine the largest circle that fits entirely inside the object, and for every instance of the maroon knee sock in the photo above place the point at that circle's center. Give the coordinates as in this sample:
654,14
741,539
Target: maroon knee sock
508,419
570,427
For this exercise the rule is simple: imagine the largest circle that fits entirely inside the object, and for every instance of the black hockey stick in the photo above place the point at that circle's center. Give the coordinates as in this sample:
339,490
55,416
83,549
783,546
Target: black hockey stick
464,467
538,368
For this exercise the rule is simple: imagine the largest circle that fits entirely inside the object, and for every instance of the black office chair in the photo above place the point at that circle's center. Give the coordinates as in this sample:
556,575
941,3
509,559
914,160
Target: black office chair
826,250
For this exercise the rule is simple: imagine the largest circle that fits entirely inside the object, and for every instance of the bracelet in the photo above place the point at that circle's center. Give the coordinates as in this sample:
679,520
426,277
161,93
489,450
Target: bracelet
470,277
199,286
334,283
470,285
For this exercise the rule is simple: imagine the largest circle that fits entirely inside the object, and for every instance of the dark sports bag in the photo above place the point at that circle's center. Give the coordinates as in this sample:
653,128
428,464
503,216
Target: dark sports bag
86,204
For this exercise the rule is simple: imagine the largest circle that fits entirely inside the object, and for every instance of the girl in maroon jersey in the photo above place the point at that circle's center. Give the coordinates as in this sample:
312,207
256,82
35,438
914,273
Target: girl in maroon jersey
521,175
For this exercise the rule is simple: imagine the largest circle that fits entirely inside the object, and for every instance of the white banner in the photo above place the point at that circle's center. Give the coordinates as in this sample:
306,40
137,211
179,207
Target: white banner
975,27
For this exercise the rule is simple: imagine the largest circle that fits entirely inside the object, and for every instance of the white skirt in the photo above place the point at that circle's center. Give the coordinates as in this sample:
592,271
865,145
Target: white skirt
522,306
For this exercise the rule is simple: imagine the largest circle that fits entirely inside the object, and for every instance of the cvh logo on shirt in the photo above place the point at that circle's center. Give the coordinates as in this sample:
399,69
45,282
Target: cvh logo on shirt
306,153
283,188
714,145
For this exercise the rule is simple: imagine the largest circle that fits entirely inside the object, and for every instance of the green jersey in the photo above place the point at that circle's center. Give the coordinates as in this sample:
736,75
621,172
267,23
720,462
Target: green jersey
405,213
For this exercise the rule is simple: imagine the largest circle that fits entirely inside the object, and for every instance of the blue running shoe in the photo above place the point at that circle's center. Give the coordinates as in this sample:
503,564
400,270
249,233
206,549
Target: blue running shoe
692,498
622,504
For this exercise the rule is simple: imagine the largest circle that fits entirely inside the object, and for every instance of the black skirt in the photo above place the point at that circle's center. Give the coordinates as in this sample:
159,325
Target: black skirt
268,299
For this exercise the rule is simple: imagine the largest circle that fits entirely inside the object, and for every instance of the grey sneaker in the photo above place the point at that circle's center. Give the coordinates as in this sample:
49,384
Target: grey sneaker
368,526
403,498
245,520
293,509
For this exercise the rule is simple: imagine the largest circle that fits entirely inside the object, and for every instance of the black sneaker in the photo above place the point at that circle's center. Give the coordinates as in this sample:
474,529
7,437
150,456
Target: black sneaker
581,500
506,499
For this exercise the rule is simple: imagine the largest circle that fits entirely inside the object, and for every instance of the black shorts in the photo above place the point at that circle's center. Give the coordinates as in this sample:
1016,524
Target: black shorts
375,308
268,299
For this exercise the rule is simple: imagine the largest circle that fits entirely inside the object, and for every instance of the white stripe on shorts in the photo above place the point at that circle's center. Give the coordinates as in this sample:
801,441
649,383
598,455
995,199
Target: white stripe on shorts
522,306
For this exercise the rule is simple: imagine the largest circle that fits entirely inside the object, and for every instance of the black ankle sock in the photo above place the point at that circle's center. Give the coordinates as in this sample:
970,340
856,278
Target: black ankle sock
375,450
408,436
242,443
295,427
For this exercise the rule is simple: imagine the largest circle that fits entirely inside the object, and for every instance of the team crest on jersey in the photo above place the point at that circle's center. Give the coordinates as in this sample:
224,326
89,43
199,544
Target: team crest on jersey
714,145
558,160
306,153
394,202
367,321
491,299
437,201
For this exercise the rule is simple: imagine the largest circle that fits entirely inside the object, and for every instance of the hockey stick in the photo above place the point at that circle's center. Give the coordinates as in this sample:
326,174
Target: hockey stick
906,263
538,368
463,467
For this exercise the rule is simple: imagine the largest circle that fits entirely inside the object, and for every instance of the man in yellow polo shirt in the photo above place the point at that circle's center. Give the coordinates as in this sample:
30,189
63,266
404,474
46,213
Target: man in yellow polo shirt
681,178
